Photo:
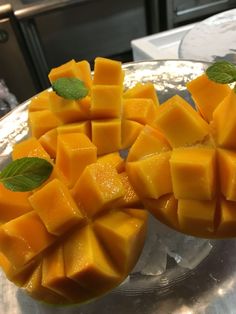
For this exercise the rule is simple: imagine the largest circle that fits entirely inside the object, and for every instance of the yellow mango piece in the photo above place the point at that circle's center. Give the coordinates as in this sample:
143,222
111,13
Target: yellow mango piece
107,72
130,131
18,275
130,198
106,135
42,121
13,204
224,122
197,217
39,102
123,236
85,105
67,110
149,141
23,238
61,213
164,209
74,152
227,171
30,147
102,183
142,90
207,94
142,110
77,127
49,142
68,69
80,70
84,72
54,277
36,290
94,271
106,101
150,177
193,173
227,219
114,160
180,123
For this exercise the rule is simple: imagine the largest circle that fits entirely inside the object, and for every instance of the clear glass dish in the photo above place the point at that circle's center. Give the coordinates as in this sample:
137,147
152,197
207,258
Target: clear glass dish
175,274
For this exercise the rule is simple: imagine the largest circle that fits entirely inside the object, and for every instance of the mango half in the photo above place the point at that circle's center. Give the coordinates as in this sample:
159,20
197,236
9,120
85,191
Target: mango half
183,167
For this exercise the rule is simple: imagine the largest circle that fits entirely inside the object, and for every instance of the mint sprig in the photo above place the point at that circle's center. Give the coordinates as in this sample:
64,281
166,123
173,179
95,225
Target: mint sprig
70,88
25,174
223,72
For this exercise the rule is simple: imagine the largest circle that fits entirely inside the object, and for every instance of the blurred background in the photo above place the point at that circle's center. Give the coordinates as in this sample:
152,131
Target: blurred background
36,35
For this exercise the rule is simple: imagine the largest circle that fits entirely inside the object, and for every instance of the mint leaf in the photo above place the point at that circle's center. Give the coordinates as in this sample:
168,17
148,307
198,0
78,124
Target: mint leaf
25,174
70,88
222,72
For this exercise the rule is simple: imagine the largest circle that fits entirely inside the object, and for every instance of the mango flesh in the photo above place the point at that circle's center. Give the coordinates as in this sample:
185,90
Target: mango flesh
60,251
200,173
88,219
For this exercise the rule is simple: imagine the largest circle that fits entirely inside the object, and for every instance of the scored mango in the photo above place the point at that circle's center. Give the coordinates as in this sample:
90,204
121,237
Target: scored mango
115,153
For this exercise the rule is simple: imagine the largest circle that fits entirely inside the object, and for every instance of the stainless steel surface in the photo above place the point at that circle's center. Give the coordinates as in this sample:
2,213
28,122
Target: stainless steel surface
14,69
29,8
5,8
188,11
199,280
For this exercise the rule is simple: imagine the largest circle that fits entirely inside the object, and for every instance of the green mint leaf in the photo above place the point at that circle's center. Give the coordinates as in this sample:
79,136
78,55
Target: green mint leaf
25,174
70,88
222,72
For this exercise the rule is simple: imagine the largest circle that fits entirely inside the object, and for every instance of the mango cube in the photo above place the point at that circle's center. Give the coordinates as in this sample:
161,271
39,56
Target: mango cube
164,209
17,242
150,177
13,204
54,277
149,141
35,288
76,127
106,135
130,198
227,171
42,121
84,72
94,263
224,122
31,147
180,123
142,90
196,217
130,131
113,160
61,212
107,72
39,102
122,230
49,142
74,152
227,218
106,101
193,173
141,110
103,183
66,110
80,70
207,94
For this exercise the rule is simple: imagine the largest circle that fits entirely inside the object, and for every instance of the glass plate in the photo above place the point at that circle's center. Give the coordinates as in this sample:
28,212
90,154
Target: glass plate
175,274
212,39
